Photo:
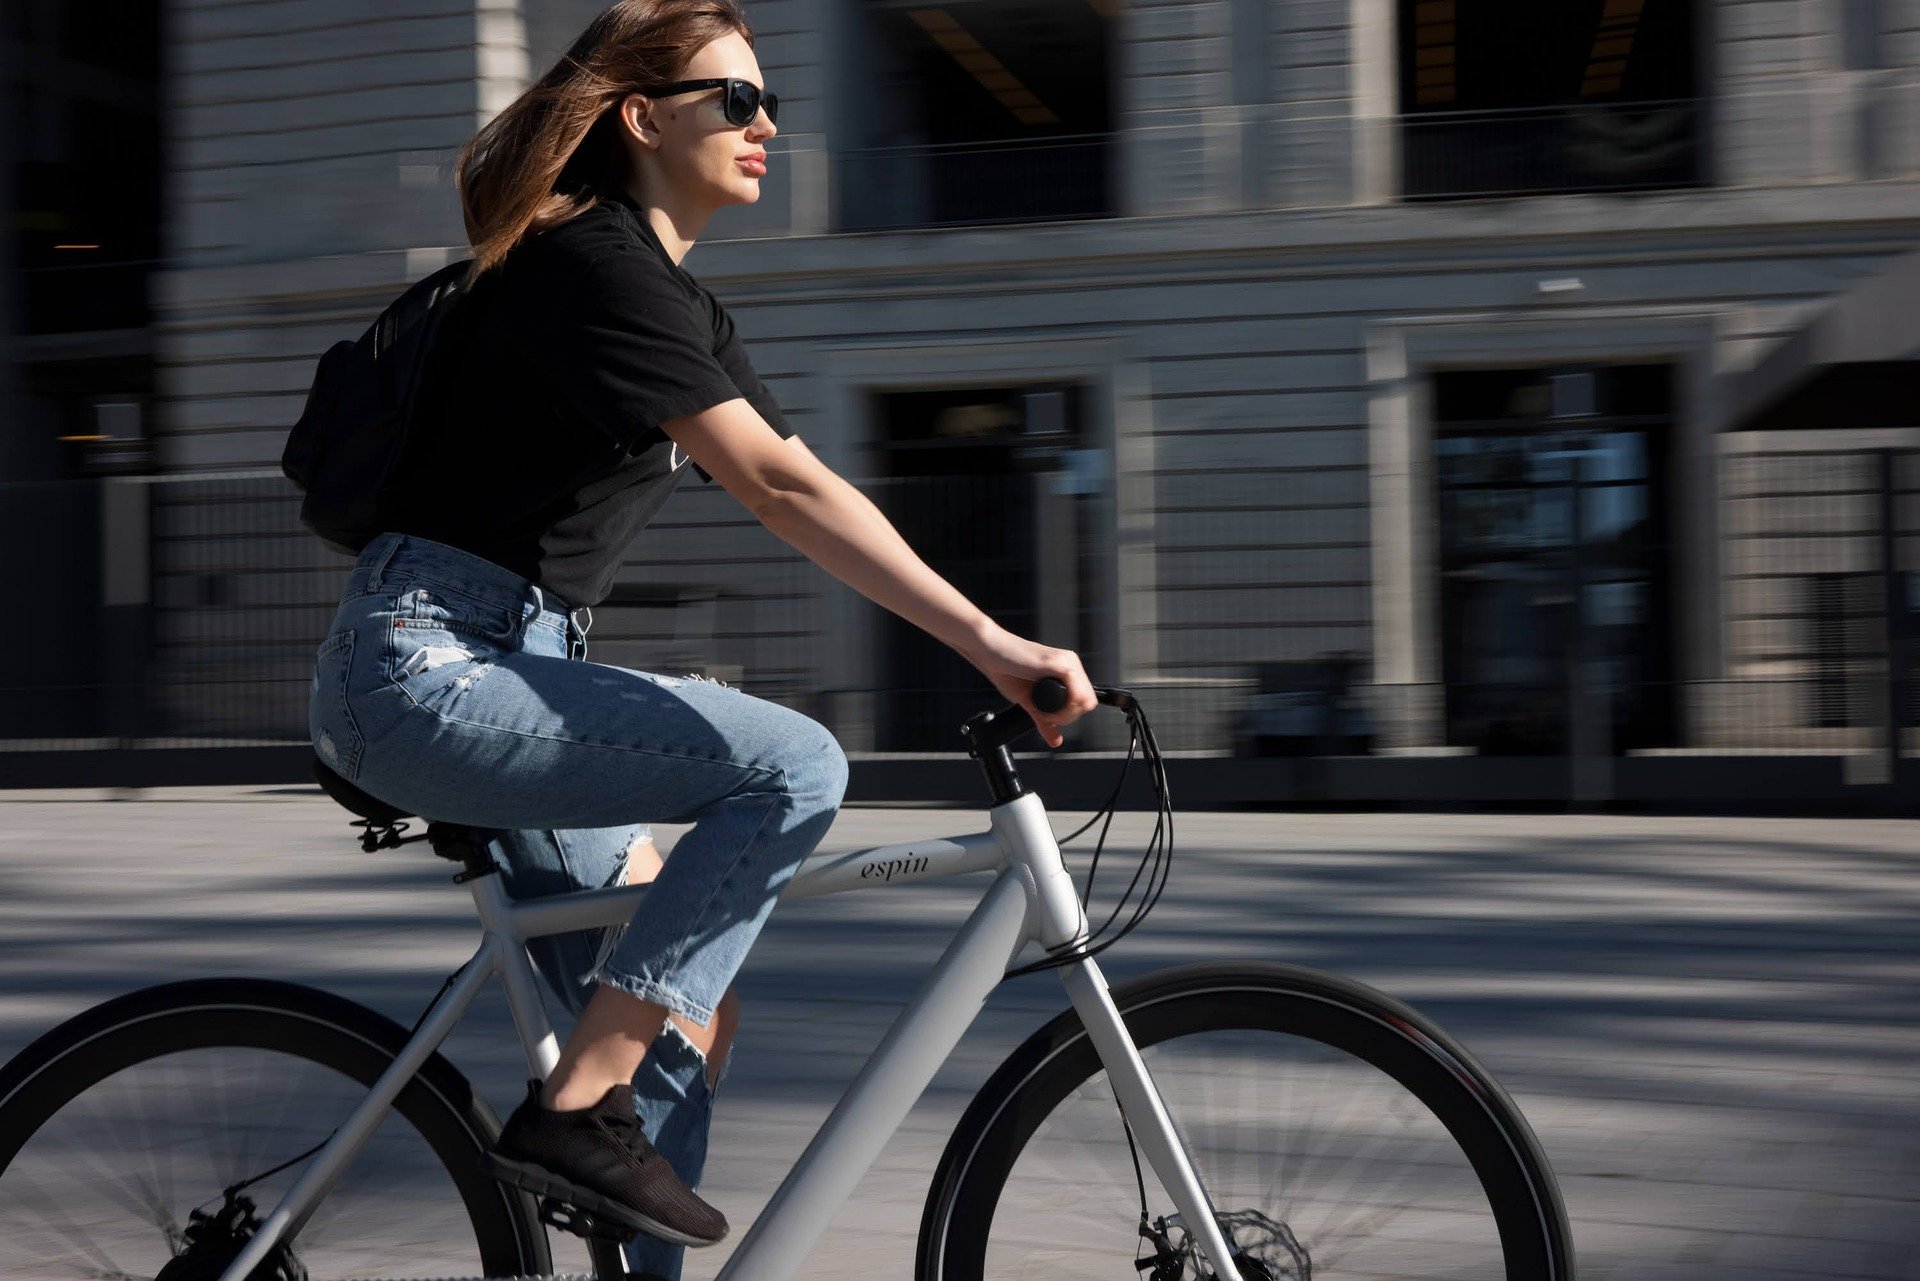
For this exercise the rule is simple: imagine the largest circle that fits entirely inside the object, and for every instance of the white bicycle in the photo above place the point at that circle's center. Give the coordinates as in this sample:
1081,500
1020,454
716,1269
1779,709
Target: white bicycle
1218,1122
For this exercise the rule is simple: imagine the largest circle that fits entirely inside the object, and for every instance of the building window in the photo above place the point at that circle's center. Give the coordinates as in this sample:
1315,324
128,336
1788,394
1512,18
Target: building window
1515,97
1554,564
982,111
88,152
80,137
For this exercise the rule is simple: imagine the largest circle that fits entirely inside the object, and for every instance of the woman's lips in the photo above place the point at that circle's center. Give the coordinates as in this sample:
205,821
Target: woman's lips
754,165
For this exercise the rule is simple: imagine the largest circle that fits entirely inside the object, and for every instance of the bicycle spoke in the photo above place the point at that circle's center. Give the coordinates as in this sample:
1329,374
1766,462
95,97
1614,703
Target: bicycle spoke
1294,1144
107,1186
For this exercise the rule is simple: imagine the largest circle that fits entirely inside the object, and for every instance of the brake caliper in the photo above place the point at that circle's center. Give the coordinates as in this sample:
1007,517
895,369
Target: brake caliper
213,1241
1263,1250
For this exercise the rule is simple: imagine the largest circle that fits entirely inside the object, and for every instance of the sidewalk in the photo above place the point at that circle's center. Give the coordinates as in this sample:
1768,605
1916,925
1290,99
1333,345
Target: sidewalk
1713,1024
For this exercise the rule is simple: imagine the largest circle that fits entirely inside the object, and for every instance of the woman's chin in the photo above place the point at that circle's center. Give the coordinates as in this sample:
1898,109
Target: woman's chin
733,191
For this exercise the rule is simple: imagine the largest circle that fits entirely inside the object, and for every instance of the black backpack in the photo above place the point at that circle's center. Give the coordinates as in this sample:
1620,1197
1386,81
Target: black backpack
344,451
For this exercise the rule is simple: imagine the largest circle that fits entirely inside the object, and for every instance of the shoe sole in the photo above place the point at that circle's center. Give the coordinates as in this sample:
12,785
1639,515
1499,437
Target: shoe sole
543,1182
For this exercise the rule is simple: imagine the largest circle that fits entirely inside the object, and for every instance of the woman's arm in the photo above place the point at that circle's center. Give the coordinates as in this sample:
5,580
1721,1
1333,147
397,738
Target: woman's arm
811,507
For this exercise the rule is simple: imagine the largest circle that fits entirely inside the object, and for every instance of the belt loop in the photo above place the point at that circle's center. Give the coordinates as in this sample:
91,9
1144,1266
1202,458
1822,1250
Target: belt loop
380,561
539,606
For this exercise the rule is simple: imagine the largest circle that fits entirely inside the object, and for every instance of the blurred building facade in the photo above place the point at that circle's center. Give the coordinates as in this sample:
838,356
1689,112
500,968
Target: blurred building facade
1344,375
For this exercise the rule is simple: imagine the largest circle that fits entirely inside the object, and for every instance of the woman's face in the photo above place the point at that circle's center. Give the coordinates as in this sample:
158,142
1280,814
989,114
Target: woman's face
686,141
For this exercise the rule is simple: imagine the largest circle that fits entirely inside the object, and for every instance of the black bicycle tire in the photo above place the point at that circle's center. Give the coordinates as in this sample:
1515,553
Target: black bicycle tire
452,1118
1333,1011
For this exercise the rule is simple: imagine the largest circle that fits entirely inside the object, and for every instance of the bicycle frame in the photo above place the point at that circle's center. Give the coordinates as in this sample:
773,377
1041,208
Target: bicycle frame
1032,899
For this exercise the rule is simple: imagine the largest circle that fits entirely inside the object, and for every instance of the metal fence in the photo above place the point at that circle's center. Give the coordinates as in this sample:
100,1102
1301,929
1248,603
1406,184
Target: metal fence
1625,146
1025,545
1264,629
1823,603
951,184
166,613
183,612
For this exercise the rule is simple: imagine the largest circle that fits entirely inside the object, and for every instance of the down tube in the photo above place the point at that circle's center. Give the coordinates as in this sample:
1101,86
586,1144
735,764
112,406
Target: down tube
884,1091
1145,1111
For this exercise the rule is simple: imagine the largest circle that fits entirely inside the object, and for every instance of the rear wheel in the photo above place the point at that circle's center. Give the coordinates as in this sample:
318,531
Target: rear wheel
141,1139
1338,1133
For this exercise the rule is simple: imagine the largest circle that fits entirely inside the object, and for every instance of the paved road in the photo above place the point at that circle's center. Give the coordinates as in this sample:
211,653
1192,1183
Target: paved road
1713,1024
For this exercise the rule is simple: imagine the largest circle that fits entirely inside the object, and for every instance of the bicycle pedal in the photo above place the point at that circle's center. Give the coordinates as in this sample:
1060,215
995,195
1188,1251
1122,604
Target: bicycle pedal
582,1223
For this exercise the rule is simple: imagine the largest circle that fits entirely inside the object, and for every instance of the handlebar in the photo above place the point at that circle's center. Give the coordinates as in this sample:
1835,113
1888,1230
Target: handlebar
997,729
1050,695
989,733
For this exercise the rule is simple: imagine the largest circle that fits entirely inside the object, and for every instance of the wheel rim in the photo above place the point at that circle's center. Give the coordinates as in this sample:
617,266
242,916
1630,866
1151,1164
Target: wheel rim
107,1186
1321,1166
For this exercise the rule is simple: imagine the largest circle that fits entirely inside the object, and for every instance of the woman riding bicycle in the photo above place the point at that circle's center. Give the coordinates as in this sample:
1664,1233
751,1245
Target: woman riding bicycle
587,370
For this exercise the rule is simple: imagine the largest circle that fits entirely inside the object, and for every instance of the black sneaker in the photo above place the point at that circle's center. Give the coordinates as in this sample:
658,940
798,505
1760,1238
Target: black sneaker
598,1159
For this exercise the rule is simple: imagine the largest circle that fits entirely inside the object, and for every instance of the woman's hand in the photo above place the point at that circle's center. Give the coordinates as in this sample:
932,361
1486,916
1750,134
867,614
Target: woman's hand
1013,665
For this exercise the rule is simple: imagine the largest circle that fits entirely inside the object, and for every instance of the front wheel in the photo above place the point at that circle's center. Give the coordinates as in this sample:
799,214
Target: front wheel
1337,1132
146,1138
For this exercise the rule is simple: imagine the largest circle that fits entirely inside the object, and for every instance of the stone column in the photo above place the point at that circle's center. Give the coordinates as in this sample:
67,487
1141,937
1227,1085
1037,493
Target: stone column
1180,128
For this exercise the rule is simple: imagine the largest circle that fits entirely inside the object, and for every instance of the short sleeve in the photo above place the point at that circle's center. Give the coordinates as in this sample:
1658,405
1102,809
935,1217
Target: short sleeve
629,347
732,357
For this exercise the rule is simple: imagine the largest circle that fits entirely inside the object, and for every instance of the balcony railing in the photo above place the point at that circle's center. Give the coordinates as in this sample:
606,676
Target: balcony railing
1628,146
958,184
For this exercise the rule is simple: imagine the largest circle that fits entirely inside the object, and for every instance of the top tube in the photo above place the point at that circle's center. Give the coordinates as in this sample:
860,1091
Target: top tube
821,874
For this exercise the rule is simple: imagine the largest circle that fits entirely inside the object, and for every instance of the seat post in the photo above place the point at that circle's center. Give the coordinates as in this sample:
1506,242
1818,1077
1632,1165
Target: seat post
464,845
495,908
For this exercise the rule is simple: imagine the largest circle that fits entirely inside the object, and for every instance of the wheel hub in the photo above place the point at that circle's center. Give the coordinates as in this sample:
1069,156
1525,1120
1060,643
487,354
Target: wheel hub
1263,1249
214,1240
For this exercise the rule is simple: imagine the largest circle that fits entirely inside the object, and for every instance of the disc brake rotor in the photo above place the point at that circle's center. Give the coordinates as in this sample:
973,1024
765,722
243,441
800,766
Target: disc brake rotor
1263,1249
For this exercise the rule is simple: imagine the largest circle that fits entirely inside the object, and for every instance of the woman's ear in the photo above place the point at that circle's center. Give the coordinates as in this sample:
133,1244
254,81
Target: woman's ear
636,115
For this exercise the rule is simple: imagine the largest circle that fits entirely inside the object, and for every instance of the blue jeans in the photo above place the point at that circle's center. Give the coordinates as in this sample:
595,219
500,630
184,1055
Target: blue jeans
454,689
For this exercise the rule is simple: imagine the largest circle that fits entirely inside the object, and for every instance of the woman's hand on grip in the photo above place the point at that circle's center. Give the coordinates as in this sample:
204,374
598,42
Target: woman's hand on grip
1013,664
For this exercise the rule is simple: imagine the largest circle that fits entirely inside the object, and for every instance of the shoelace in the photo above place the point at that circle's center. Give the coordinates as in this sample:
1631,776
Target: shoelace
631,1134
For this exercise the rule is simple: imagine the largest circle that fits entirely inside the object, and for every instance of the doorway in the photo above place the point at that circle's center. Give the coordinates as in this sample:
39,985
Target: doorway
1555,564
984,483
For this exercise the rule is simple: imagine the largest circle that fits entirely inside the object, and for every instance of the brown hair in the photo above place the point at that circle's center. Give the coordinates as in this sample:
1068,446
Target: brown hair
547,157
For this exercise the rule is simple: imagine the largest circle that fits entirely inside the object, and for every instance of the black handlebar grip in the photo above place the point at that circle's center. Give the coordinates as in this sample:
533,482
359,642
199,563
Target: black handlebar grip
1049,695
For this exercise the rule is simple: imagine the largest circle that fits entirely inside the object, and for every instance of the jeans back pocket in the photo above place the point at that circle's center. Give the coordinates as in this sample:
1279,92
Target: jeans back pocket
330,721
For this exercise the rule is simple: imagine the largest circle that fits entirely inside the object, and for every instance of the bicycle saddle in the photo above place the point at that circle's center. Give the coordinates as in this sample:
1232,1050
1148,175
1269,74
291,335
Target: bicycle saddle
378,812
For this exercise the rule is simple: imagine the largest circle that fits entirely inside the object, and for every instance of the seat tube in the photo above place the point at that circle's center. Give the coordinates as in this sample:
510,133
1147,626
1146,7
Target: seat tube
517,978
1146,1112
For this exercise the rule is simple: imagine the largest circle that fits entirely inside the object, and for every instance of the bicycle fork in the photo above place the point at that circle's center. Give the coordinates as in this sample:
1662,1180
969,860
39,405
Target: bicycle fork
1056,919
1145,1113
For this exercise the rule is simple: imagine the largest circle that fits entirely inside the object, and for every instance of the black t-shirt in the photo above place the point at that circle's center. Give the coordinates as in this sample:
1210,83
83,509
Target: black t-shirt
537,443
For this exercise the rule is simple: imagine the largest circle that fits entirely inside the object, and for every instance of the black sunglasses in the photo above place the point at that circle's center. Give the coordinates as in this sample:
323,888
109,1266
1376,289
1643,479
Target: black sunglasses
743,102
